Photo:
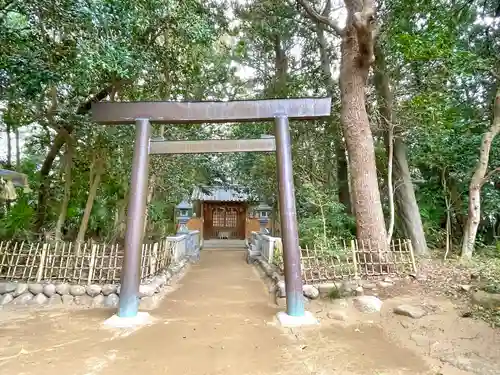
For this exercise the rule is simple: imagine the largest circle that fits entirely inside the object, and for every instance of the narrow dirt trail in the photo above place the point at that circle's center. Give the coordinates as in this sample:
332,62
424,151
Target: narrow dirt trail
219,321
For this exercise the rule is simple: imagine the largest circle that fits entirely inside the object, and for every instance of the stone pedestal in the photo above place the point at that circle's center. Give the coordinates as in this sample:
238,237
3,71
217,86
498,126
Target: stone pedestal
141,319
289,321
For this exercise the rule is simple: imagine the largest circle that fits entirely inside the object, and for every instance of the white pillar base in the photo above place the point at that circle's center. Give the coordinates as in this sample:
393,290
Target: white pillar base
141,319
289,321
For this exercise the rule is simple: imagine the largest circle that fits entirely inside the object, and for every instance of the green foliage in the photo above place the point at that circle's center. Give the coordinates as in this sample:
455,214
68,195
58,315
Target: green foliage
323,223
16,223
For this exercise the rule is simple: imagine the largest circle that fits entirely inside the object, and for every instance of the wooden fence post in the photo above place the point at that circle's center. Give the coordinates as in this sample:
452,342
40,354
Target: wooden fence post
354,258
153,258
412,255
92,263
39,274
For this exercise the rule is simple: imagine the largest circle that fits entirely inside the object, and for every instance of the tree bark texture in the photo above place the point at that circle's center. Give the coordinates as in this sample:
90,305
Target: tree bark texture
151,190
94,185
404,194
478,179
340,155
406,202
357,56
68,164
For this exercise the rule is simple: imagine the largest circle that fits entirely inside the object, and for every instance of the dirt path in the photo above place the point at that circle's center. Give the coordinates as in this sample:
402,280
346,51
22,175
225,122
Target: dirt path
219,321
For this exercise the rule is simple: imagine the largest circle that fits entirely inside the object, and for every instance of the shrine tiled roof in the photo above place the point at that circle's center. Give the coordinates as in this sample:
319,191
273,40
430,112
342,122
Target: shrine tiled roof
221,194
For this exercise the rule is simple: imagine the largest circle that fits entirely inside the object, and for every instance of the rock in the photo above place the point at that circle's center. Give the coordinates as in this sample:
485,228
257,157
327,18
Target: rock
385,284
49,290
465,288
367,304
98,301
388,280
159,281
23,299
56,299
6,298
414,312
327,288
310,291
39,299
63,289
348,287
93,290
485,299
147,290
68,299
108,289
340,315
77,290
360,291
369,286
7,287
111,300
340,303
35,288
280,289
83,300
21,288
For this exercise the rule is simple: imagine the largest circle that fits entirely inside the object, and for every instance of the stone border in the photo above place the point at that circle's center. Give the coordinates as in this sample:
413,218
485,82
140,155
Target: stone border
151,291
346,288
277,284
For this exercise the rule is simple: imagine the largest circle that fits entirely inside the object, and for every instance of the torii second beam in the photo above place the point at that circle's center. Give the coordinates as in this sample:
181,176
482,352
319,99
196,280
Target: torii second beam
212,146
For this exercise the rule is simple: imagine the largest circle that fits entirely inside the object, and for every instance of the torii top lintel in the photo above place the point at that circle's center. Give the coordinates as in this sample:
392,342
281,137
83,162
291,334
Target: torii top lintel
199,112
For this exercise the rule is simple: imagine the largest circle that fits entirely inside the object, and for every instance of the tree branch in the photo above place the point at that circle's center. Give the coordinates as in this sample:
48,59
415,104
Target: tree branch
317,17
366,29
489,175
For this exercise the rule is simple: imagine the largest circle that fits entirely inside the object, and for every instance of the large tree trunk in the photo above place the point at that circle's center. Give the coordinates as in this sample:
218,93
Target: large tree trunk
478,179
340,156
342,174
404,194
357,56
94,185
151,190
406,202
68,164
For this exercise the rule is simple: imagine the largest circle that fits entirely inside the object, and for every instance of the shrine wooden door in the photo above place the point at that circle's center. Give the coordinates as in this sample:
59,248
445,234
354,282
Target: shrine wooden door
224,221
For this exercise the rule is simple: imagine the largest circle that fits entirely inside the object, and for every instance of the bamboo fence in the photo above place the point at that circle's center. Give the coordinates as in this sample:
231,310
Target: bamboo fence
80,264
358,260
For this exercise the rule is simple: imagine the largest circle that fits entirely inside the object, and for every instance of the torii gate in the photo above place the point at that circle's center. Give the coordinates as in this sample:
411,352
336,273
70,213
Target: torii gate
144,113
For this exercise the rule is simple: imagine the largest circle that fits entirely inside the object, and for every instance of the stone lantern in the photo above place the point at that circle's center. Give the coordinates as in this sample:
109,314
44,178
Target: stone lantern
263,211
184,211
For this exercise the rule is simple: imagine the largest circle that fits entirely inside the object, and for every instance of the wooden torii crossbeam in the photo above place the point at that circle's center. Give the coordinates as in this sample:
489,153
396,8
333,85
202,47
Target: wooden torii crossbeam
201,112
212,146
143,113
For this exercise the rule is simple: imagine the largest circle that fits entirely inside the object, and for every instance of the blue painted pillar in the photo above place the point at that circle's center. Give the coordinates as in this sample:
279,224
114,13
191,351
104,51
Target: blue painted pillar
288,216
131,269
